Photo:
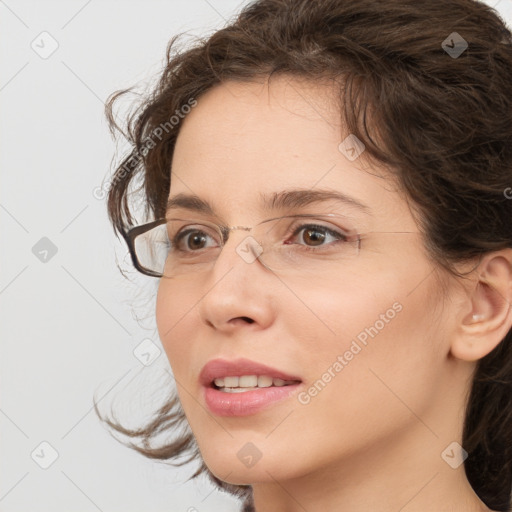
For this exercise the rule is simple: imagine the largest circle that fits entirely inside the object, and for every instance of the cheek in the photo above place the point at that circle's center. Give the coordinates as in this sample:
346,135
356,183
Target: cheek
175,317
386,353
365,305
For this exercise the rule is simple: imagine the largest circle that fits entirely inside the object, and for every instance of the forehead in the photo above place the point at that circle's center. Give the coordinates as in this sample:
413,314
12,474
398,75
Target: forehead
280,114
245,139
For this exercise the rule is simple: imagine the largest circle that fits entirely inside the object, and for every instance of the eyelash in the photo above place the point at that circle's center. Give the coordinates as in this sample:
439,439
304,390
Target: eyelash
340,236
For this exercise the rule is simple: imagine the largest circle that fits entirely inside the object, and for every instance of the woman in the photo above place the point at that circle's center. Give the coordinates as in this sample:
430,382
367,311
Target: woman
327,209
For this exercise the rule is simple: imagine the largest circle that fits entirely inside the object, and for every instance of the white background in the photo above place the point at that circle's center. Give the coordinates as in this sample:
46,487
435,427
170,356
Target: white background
68,329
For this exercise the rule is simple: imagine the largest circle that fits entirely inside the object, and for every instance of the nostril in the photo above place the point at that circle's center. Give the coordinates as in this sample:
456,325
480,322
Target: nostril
247,319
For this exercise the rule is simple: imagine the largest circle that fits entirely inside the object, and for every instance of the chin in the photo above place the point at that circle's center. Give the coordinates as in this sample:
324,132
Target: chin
227,472
243,466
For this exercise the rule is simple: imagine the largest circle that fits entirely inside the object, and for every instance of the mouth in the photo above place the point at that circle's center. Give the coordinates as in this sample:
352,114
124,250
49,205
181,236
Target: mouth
244,383
243,387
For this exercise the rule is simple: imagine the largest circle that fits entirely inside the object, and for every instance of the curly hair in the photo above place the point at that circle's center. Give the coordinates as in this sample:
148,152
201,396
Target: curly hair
427,87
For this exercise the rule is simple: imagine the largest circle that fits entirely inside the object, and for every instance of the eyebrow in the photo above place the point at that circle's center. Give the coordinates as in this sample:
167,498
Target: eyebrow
286,199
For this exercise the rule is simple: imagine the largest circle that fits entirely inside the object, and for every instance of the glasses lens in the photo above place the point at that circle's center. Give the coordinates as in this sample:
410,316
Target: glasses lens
299,245
310,247
178,247
305,245
151,248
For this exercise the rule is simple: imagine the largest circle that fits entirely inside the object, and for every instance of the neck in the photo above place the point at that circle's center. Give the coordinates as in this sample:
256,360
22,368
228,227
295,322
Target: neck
406,474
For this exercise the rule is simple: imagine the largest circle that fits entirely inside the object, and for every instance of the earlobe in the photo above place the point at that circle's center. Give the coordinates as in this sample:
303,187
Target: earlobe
490,311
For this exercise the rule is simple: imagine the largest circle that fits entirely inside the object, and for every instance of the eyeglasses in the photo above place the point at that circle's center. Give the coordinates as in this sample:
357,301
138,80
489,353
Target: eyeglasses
311,245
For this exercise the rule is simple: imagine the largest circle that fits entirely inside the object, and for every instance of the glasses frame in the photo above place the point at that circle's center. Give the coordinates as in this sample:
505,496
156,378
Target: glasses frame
135,231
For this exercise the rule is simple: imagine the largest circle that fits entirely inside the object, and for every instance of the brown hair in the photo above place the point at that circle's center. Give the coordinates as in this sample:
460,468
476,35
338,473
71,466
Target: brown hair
443,123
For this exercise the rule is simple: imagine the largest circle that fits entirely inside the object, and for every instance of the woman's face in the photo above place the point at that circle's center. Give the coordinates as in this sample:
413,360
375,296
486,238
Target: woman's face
365,335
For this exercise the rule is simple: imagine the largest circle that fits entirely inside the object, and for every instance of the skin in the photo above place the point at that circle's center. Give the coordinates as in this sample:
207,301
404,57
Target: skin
372,439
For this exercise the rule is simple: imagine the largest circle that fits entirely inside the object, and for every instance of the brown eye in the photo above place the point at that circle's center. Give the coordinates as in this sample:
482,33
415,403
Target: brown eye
195,240
315,235
191,240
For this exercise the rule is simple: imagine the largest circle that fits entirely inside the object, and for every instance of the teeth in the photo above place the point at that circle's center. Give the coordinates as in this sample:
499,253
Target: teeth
231,382
246,382
264,381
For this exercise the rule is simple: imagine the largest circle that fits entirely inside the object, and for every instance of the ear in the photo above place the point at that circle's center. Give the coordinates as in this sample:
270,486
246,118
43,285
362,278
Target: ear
487,315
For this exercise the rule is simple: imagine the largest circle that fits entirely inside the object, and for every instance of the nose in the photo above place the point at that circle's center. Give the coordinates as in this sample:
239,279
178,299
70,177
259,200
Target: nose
239,291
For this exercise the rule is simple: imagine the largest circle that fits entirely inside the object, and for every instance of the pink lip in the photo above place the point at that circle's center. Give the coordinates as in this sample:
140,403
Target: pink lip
247,402
222,368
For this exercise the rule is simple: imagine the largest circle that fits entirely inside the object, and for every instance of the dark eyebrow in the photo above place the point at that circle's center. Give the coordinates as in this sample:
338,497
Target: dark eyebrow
286,199
289,199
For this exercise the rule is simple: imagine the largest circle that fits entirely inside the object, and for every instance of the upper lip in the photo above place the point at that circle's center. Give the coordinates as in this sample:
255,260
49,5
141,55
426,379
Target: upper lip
217,368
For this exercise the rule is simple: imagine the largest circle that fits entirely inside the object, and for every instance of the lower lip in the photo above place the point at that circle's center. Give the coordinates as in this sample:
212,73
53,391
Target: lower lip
247,402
